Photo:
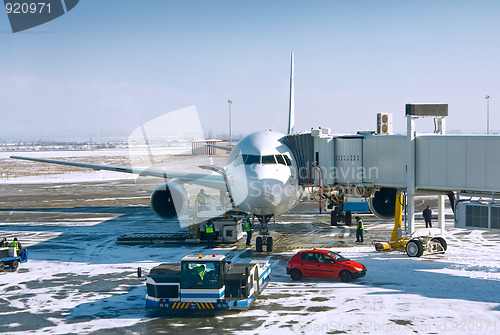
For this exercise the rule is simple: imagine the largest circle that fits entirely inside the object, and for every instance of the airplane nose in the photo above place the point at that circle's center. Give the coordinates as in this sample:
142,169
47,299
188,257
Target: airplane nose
265,193
262,191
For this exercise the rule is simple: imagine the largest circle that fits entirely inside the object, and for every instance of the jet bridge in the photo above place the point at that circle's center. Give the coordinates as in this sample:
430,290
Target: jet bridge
361,164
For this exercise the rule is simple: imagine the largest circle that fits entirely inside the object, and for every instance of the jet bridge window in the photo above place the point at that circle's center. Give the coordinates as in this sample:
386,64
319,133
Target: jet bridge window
268,159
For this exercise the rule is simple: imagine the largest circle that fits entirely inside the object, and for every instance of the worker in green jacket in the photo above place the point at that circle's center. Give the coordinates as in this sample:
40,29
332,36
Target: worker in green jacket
19,249
201,200
201,271
359,229
4,243
209,230
248,229
15,244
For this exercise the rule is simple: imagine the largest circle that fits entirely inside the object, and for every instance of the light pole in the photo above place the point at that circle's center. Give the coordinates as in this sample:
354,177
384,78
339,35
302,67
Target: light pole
487,114
229,102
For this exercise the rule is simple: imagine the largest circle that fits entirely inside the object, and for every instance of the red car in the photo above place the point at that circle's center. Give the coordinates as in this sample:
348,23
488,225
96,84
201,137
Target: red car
323,264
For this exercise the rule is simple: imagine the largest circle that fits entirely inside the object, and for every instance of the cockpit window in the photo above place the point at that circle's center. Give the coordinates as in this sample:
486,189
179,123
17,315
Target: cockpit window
268,159
287,160
280,159
251,159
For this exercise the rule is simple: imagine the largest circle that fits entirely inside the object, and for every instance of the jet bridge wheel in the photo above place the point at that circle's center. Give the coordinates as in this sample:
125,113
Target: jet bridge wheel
441,241
2,266
414,248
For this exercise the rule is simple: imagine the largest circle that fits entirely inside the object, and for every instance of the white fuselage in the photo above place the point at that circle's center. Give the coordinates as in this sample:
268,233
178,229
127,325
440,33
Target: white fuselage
262,175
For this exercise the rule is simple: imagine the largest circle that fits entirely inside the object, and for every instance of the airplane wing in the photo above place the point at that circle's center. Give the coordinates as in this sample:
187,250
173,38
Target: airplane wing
208,180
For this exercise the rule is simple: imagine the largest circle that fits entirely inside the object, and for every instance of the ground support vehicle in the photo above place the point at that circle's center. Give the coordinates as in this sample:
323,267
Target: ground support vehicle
202,282
322,263
422,240
10,258
415,246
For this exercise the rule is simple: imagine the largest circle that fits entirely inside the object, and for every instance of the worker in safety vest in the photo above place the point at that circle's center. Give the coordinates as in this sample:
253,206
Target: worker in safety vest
4,243
201,271
248,229
19,249
15,244
359,231
209,230
201,199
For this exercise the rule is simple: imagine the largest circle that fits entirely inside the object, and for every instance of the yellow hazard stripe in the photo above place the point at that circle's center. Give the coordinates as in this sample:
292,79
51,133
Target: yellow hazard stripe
281,237
200,305
205,305
180,305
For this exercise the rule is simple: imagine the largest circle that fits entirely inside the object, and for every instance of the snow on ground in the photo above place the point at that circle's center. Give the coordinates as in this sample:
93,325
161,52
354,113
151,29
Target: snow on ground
13,171
79,281
447,294
73,177
94,153
95,288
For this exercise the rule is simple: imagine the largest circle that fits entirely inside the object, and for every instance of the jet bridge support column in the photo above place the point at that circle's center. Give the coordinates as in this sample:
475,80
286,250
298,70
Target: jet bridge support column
413,112
441,129
441,212
410,172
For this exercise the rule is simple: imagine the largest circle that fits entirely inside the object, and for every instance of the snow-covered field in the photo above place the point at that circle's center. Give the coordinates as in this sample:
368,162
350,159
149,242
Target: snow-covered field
72,286
452,293
13,171
79,281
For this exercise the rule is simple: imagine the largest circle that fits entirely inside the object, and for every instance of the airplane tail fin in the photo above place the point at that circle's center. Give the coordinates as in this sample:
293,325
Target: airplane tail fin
291,110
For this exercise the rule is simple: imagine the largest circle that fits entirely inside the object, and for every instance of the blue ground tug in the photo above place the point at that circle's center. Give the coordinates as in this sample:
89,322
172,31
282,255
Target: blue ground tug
206,282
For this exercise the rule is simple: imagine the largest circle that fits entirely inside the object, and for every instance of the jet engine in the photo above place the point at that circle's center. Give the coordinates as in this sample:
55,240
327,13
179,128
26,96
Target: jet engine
383,203
169,200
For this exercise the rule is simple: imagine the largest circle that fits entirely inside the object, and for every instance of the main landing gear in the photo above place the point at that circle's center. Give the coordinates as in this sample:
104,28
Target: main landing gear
264,239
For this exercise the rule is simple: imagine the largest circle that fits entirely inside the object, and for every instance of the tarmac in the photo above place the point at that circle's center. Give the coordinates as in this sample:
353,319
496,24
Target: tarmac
79,280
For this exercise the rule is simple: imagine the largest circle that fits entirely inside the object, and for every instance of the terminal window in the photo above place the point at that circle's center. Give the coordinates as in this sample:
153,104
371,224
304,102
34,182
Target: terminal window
476,216
495,217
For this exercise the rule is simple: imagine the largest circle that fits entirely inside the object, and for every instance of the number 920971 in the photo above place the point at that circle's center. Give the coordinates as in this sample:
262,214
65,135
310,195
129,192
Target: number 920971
27,8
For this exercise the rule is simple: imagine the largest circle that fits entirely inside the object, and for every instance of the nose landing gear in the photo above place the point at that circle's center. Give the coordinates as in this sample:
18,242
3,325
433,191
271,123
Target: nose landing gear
264,239
261,241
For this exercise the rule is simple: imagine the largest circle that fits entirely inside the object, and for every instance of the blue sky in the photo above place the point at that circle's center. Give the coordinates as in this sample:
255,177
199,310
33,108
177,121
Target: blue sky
106,67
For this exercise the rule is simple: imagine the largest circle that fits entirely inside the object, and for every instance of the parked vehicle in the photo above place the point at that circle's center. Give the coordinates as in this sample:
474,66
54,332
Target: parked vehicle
321,263
10,258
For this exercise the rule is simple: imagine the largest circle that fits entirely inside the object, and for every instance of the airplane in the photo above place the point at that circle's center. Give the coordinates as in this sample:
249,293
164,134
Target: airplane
261,177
